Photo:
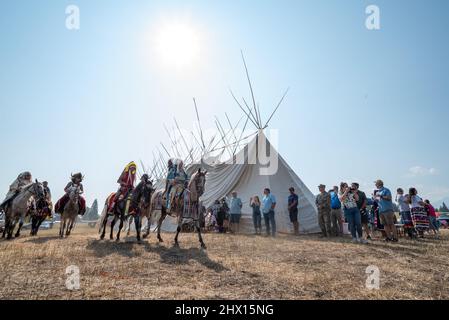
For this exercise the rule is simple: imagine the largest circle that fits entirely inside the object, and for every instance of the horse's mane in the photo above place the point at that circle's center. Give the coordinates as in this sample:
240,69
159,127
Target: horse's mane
192,180
28,186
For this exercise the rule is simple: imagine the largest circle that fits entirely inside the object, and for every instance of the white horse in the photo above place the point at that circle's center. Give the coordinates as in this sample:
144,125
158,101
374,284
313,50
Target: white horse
17,210
70,212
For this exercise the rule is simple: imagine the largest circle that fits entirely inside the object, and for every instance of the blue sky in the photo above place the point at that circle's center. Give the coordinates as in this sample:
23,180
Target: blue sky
362,104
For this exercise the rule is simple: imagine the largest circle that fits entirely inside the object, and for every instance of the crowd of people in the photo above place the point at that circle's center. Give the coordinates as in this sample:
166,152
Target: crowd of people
343,209
225,215
363,215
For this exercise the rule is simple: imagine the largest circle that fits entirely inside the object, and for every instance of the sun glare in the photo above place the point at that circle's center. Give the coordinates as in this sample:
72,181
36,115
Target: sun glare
177,44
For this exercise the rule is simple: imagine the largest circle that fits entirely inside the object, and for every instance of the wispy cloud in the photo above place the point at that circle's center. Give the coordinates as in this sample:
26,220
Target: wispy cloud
418,171
439,193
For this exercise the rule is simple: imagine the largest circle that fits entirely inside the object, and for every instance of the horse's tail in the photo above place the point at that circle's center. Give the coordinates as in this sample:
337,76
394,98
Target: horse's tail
104,213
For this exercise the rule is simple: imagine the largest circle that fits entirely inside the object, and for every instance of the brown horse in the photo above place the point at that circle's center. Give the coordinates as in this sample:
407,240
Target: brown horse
191,195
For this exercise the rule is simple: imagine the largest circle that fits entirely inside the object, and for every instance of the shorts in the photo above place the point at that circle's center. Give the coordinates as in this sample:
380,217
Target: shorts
235,218
364,216
293,216
387,218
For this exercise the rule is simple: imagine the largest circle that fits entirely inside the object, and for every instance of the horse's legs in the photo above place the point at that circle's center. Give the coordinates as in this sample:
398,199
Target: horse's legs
148,227
60,226
19,228
61,231
69,227
6,226
200,238
137,220
178,229
129,222
122,218
103,226
11,226
159,224
111,236
33,225
39,224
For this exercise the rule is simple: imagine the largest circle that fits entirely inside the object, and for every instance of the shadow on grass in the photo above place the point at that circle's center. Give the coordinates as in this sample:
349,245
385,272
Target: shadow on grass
103,248
176,255
39,240
168,255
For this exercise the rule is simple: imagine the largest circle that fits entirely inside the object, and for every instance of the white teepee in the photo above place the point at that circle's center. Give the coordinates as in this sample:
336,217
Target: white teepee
244,174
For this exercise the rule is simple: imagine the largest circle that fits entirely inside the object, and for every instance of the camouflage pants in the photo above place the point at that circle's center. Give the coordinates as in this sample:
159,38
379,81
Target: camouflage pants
324,220
336,219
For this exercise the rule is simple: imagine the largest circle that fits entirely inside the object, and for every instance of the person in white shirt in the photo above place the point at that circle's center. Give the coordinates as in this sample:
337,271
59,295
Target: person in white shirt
402,201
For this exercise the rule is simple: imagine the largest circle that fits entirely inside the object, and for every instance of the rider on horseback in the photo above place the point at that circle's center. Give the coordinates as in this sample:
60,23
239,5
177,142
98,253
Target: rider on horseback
126,181
177,181
142,189
15,188
75,182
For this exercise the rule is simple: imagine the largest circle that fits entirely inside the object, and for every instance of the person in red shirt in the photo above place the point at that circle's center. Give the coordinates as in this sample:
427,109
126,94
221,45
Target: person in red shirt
433,222
126,181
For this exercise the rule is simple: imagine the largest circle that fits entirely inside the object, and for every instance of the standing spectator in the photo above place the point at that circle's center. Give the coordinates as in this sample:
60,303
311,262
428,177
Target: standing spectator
293,210
222,215
323,203
418,210
386,211
349,198
361,205
235,209
375,213
268,205
254,203
404,211
433,222
336,214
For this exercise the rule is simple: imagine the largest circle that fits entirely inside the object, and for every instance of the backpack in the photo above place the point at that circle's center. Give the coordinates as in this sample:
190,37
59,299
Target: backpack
335,202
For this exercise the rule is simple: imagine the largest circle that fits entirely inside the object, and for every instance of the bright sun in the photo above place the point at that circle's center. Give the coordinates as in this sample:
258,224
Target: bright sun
177,44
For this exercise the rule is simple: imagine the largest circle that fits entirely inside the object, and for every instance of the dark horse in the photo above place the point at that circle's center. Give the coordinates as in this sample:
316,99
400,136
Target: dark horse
39,210
191,194
132,204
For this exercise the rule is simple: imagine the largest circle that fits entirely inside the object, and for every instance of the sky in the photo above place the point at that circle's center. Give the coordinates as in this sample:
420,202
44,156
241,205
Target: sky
363,104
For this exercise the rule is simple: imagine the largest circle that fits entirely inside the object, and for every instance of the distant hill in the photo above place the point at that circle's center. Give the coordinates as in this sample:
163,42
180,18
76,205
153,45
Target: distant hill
92,212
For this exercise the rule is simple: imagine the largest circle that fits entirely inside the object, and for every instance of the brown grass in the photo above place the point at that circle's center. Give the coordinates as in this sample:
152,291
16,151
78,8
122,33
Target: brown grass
233,267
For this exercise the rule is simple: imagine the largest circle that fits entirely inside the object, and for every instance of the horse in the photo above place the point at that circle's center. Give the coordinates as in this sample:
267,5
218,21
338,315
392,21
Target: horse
18,208
70,212
39,210
194,191
138,205
140,208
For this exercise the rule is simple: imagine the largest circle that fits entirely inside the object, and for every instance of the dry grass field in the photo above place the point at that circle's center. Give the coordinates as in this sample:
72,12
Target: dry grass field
233,267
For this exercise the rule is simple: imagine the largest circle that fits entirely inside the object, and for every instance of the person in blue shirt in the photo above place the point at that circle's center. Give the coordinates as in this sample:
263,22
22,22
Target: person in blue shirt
386,211
235,209
293,210
268,205
336,213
